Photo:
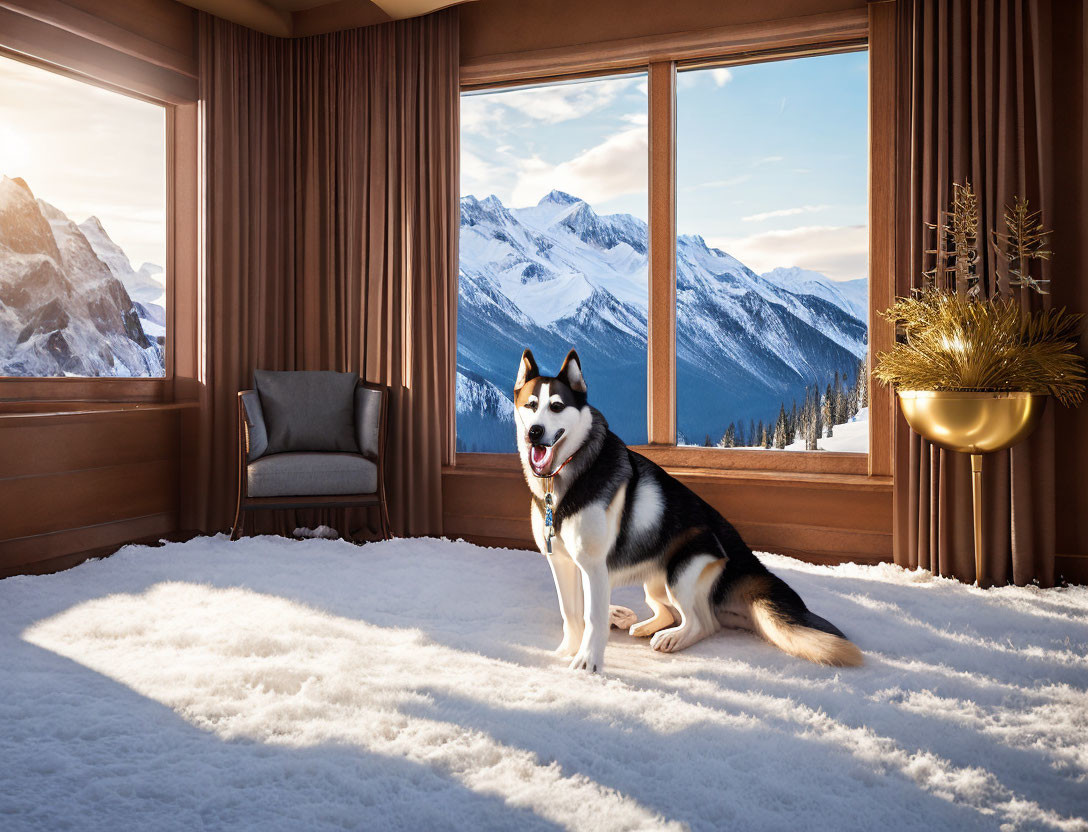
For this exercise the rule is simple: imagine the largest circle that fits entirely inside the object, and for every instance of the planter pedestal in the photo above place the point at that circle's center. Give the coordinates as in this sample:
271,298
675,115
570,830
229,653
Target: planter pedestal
973,423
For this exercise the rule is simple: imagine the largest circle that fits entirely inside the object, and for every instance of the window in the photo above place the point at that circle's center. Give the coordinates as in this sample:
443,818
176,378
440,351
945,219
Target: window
764,168
772,254
82,228
553,249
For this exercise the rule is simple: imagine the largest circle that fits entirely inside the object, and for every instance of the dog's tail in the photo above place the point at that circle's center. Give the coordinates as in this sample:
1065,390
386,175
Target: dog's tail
778,614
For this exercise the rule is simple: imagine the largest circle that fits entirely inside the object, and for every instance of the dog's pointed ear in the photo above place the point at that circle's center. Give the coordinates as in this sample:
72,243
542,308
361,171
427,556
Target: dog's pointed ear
527,370
571,372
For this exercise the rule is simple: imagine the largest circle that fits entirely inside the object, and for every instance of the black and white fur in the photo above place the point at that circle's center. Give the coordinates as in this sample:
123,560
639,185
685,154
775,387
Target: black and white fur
619,519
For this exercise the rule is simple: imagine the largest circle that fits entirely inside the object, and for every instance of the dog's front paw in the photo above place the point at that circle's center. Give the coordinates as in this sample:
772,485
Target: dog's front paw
589,660
568,647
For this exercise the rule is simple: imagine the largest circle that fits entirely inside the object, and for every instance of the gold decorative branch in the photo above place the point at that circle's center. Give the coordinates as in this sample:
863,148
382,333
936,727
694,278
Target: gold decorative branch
953,338
1026,240
953,342
956,251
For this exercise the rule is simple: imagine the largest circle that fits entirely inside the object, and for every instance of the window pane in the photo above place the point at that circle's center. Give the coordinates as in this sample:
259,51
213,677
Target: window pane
82,228
553,249
772,258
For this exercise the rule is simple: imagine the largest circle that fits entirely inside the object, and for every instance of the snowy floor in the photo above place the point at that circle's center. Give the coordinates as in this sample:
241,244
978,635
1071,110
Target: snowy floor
306,685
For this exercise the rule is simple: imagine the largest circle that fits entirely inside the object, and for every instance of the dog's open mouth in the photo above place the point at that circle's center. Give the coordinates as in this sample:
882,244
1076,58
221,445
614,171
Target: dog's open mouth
540,459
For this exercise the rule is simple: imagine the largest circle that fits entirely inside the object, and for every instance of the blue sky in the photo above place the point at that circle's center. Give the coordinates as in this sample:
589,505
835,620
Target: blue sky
772,158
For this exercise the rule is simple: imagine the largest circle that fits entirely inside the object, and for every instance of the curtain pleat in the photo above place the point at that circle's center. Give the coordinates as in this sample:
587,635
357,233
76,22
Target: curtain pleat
973,105
330,189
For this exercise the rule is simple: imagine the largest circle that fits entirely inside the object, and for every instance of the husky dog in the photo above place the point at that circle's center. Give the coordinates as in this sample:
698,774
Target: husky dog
619,519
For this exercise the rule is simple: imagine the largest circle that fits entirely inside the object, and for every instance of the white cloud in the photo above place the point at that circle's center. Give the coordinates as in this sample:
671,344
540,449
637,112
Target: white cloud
767,160
642,119
490,112
477,174
840,252
615,167
721,76
785,212
718,183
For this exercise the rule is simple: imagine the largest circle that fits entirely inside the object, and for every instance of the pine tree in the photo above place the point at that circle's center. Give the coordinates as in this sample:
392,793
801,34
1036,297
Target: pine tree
829,412
764,441
753,437
707,443
731,436
812,418
837,407
780,428
863,384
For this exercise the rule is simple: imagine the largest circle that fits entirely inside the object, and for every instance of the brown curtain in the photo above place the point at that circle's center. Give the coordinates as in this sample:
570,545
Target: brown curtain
974,104
330,184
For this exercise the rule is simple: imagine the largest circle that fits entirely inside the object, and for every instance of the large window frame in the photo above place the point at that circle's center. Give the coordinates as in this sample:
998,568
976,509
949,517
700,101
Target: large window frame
38,44
661,57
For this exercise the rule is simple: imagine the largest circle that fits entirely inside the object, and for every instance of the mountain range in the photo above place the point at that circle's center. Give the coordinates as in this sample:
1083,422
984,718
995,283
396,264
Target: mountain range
70,302
558,275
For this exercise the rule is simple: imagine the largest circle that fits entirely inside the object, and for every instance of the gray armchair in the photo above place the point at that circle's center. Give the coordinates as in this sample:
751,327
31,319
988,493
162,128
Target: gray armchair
272,474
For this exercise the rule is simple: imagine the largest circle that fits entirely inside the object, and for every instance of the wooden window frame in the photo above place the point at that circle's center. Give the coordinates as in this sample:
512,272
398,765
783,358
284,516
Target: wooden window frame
661,57
171,84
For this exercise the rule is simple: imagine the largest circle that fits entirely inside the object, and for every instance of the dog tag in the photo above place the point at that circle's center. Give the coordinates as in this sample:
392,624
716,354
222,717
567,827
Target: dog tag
549,530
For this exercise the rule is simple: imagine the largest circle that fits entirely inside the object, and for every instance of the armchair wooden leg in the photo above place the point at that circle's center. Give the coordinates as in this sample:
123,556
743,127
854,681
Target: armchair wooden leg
387,529
239,521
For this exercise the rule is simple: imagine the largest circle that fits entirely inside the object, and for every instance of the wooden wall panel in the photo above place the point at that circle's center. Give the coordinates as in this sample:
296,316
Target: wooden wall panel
41,504
160,32
166,23
825,519
492,27
34,555
37,450
76,482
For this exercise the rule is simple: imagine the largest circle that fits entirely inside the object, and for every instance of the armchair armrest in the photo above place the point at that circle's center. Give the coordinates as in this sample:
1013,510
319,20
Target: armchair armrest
370,420
256,431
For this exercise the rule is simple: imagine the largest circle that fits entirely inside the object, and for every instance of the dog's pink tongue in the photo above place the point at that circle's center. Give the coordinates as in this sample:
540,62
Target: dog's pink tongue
539,455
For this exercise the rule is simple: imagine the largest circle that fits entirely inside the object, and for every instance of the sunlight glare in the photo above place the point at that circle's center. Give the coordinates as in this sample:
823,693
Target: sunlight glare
15,153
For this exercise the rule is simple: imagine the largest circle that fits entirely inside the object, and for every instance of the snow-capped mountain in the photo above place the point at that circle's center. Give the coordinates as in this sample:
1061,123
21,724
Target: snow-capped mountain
146,286
558,275
63,311
848,294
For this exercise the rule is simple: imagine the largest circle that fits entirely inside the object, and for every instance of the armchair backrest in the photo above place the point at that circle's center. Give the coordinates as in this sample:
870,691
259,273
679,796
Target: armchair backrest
370,414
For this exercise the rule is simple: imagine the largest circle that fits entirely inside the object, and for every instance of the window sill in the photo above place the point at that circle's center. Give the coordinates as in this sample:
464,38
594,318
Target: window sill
721,465
50,391
19,414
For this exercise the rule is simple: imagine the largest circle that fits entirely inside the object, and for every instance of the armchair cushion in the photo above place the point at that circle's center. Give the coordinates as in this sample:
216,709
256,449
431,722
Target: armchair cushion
308,411
310,474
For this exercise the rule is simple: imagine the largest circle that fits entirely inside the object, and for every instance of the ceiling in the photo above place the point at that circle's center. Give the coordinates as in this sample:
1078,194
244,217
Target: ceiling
300,18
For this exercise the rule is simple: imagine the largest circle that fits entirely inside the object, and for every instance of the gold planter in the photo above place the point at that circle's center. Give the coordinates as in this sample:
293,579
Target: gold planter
976,424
